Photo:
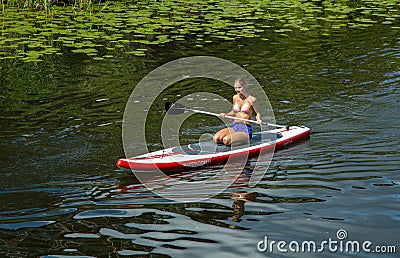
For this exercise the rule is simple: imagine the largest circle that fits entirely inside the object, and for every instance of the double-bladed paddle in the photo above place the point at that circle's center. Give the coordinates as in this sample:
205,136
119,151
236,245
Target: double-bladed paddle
177,108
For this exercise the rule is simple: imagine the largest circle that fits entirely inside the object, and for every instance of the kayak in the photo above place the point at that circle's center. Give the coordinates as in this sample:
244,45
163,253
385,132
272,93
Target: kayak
209,153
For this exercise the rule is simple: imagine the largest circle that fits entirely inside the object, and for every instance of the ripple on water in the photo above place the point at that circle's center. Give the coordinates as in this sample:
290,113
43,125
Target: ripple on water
23,209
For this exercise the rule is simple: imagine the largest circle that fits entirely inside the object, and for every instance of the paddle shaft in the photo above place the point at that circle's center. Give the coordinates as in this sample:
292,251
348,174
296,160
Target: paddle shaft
232,117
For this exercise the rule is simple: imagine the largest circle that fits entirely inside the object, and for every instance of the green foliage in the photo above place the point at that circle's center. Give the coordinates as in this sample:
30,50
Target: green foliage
47,5
33,29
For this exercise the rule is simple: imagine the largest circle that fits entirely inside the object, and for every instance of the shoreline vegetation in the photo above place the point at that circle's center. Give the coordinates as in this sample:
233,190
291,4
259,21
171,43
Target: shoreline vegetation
47,5
32,30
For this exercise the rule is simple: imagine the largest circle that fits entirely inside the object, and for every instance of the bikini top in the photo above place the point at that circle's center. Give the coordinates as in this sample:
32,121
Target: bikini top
245,107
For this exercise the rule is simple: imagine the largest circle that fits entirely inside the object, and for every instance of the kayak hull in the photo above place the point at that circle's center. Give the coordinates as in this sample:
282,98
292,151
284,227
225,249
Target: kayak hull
177,158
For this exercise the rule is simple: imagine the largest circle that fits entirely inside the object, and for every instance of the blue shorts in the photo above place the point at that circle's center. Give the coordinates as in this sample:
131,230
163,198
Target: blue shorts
239,127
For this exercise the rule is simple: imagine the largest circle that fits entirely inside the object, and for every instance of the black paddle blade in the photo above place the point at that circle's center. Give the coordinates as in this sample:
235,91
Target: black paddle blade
174,108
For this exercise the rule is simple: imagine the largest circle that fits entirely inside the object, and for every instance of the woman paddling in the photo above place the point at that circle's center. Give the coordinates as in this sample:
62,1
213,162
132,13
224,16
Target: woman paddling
243,107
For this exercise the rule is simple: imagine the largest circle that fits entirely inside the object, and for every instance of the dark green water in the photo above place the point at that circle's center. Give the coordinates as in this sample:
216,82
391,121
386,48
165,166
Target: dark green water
61,194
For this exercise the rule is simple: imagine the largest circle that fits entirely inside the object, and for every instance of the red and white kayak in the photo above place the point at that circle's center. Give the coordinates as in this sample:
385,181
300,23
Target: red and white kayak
209,153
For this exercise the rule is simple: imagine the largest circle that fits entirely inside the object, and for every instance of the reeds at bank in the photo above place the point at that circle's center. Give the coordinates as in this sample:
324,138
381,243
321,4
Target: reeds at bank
47,5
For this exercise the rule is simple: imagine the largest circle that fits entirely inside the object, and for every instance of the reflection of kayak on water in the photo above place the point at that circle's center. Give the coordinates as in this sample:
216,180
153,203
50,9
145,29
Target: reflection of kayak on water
209,153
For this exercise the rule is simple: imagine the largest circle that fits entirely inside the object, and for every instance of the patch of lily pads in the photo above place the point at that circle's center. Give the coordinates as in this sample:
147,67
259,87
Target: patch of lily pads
134,27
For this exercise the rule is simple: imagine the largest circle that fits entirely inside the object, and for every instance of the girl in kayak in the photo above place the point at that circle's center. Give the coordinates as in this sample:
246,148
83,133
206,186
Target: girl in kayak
244,105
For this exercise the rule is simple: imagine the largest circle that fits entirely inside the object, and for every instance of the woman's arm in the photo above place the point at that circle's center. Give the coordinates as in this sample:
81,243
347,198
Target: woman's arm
254,104
230,113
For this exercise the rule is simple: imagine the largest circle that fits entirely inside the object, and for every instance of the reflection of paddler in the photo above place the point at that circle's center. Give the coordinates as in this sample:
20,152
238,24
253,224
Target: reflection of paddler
238,203
243,179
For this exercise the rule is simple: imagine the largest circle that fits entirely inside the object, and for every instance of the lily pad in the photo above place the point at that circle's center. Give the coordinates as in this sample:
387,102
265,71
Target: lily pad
126,25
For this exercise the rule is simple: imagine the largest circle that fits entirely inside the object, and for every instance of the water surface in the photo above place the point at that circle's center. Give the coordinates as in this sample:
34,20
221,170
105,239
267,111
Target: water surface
61,193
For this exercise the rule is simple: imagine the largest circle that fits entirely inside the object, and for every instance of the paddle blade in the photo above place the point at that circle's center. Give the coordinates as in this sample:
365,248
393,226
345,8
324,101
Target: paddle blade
174,108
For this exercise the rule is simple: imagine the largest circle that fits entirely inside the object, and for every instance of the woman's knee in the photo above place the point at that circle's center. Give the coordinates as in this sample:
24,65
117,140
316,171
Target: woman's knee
217,138
227,140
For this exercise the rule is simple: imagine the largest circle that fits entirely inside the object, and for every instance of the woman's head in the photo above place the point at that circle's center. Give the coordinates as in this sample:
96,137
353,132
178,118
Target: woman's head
240,86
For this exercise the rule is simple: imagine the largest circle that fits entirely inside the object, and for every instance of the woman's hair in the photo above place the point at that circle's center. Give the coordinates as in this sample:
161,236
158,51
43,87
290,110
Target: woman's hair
242,82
